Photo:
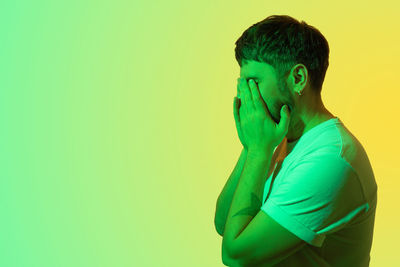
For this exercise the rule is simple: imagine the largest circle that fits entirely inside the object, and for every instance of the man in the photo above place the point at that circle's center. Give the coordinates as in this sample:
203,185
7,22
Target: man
303,192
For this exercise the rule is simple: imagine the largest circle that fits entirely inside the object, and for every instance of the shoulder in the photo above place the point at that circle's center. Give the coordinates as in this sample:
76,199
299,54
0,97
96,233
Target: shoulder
321,170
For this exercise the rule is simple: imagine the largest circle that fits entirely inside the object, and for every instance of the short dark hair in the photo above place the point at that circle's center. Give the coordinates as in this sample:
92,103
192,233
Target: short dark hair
282,41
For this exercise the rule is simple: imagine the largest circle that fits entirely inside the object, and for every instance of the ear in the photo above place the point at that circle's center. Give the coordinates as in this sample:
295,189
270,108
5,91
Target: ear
298,77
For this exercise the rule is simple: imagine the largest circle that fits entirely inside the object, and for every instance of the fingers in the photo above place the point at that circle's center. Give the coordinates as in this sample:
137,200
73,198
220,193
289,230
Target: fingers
235,109
246,99
257,99
237,88
285,119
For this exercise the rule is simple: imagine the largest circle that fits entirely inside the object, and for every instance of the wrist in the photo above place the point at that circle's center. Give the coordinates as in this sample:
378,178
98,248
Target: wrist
260,153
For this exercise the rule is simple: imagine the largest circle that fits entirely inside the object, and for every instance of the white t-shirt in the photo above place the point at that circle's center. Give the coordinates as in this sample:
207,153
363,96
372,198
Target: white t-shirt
325,193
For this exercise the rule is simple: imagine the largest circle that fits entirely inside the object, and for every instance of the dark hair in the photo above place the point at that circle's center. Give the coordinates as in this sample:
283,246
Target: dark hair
282,41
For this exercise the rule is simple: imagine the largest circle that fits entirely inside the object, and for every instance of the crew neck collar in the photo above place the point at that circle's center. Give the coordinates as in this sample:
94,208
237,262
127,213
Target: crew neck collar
314,131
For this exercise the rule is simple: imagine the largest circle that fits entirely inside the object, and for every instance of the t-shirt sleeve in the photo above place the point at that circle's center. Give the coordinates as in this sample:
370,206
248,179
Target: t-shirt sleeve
316,196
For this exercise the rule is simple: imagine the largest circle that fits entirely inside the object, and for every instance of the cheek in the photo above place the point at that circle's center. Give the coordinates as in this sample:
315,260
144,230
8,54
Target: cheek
268,100
268,97
273,103
265,94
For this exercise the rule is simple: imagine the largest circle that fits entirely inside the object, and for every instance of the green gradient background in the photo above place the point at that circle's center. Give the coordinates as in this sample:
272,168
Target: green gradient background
117,132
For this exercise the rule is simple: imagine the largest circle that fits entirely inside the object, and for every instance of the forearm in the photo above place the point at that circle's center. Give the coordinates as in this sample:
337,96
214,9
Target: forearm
246,202
225,198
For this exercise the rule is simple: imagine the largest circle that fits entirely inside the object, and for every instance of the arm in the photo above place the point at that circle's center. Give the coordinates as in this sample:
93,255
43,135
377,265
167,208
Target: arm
225,198
251,236
248,195
247,199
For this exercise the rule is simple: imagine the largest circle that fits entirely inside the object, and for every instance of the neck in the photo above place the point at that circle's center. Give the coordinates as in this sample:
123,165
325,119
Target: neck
306,119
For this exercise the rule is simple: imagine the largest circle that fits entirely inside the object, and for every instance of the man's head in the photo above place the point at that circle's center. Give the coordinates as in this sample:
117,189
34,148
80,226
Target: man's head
285,57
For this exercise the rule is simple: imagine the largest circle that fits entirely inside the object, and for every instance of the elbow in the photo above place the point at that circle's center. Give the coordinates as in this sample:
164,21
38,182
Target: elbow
228,260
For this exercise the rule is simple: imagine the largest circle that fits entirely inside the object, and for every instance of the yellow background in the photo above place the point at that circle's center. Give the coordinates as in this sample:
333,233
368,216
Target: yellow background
117,132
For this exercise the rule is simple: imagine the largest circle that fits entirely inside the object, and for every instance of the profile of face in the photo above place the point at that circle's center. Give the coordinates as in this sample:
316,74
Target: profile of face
275,92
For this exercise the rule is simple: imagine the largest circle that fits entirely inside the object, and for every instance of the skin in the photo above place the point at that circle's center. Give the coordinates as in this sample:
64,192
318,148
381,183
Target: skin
306,110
